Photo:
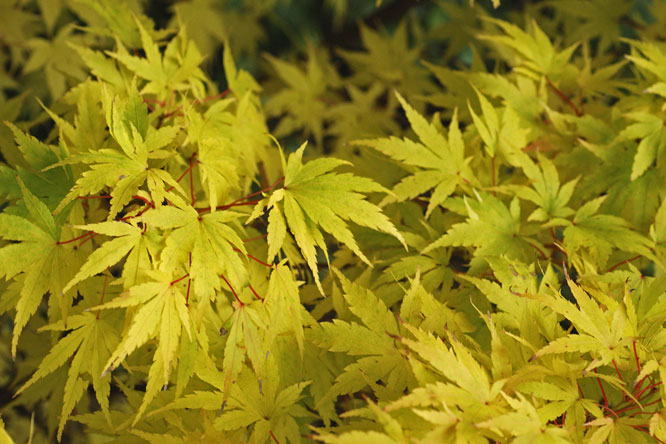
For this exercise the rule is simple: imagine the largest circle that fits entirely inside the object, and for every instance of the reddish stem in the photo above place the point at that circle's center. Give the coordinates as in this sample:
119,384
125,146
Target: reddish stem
186,171
192,179
263,190
601,386
619,375
626,261
637,406
227,206
253,258
179,279
92,235
638,364
216,96
564,98
144,200
273,436
541,253
74,239
106,196
492,167
649,387
646,431
101,299
255,238
255,293
232,290
239,202
189,282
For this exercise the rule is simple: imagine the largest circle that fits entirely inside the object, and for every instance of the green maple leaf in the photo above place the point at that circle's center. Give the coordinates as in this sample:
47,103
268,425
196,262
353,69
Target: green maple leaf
500,132
37,255
55,58
283,304
591,23
303,103
599,332
264,408
177,70
546,192
652,62
492,228
314,200
90,342
372,341
125,170
597,234
209,240
49,186
128,239
441,165
536,54
650,129
390,61
161,313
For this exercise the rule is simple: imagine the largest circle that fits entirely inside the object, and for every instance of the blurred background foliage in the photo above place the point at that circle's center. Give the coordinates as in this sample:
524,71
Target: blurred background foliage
327,68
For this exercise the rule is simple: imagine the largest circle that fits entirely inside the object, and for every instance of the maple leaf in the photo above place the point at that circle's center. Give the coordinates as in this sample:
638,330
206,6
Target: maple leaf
314,199
650,129
161,313
90,342
50,186
501,133
440,162
373,341
214,246
127,169
304,101
269,411
492,228
37,254
599,332
59,64
390,61
546,192
128,239
591,23
177,70
652,62
536,53
597,234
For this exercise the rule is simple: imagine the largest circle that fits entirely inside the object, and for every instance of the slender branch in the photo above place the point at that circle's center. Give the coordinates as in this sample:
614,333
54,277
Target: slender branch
227,206
239,202
253,258
256,295
268,188
564,98
192,179
74,239
541,253
189,281
626,261
255,238
106,196
101,299
186,171
494,180
232,290
601,386
179,279
619,375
